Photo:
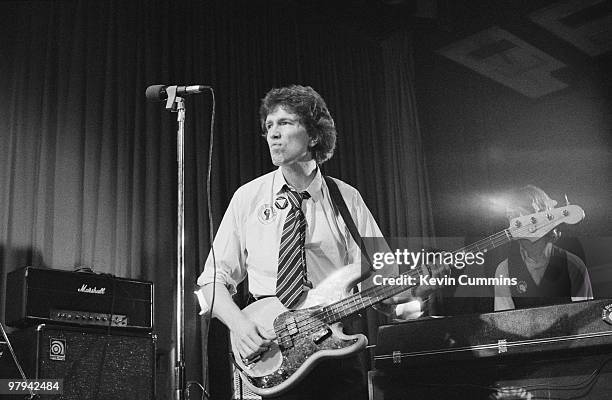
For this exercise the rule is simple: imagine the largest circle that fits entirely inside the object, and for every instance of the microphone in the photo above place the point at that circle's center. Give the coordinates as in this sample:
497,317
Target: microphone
158,92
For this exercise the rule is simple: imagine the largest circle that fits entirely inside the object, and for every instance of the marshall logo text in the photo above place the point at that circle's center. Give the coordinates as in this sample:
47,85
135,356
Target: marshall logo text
94,290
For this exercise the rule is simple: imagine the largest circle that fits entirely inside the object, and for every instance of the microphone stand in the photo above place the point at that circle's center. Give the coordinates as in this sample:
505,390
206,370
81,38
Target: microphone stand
177,104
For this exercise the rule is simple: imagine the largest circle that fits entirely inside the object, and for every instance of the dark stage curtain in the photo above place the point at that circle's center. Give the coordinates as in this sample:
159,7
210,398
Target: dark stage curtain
88,169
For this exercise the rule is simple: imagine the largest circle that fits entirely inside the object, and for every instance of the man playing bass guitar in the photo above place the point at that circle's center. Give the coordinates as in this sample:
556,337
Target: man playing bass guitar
284,230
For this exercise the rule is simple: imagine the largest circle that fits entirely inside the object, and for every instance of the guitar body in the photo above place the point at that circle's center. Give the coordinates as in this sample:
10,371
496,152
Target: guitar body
303,338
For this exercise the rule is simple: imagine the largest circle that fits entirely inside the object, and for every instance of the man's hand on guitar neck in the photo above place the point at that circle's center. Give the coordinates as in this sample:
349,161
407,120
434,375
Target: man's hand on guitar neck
250,338
411,303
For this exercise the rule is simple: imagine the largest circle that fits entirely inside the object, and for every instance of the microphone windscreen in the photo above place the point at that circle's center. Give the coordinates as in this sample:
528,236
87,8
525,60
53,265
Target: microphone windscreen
156,93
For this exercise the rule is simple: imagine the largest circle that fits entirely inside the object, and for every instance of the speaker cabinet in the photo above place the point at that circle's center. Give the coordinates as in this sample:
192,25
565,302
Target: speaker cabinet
92,363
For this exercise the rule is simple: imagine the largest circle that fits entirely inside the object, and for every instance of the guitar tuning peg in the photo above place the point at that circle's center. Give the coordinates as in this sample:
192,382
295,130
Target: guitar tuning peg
567,203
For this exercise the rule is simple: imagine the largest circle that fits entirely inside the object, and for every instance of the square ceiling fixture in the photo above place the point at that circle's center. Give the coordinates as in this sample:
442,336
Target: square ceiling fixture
587,24
503,57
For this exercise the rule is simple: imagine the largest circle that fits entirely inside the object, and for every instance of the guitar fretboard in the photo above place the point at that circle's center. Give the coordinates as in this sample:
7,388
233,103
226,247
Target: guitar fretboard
375,294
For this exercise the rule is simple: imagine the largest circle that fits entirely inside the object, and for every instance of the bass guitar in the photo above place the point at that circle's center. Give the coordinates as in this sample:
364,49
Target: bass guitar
313,332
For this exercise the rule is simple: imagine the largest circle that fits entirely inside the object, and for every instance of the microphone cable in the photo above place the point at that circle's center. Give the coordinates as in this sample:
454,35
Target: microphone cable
208,315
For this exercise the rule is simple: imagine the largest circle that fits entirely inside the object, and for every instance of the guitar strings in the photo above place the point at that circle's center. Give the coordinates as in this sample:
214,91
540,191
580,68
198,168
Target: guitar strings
354,300
316,320
495,239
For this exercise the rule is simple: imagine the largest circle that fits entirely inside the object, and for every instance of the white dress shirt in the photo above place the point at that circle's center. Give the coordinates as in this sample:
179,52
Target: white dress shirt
249,235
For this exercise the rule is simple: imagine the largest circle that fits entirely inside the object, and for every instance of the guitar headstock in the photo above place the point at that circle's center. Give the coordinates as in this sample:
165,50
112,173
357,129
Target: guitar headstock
535,226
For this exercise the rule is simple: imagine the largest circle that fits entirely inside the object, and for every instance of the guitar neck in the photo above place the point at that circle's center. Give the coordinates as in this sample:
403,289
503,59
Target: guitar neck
375,294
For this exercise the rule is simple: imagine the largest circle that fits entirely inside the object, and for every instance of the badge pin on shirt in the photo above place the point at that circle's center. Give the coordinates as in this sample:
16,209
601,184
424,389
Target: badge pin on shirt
266,214
281,202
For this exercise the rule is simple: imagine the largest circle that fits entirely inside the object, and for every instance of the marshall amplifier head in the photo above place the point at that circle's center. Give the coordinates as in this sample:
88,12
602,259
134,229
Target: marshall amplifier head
42,295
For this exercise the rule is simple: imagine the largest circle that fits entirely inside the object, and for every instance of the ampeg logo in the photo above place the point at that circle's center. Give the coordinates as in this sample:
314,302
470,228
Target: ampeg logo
606,314
57,349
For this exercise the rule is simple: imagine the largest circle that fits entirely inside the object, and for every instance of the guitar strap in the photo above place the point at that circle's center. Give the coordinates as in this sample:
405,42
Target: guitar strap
339,202
358,325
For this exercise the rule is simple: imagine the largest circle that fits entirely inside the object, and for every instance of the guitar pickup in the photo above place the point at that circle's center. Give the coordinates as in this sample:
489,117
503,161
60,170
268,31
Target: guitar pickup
321,335
291,326
285,341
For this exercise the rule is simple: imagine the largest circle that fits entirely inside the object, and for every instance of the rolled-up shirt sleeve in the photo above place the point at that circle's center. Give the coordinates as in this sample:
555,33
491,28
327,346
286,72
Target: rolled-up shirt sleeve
229,253
367,227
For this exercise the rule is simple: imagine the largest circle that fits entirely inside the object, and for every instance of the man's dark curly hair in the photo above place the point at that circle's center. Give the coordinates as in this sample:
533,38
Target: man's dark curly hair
307,104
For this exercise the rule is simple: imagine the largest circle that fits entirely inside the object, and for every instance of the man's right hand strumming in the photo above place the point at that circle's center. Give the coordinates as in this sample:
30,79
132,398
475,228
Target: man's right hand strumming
250,338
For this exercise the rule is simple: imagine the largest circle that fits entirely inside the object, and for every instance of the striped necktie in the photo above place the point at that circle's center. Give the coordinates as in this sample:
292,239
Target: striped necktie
292,256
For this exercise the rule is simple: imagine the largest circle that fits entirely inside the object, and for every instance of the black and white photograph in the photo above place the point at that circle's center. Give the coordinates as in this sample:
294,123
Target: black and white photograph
306,199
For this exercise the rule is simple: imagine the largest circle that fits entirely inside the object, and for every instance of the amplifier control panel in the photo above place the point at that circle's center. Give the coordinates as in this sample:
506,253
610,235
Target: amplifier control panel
89,318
